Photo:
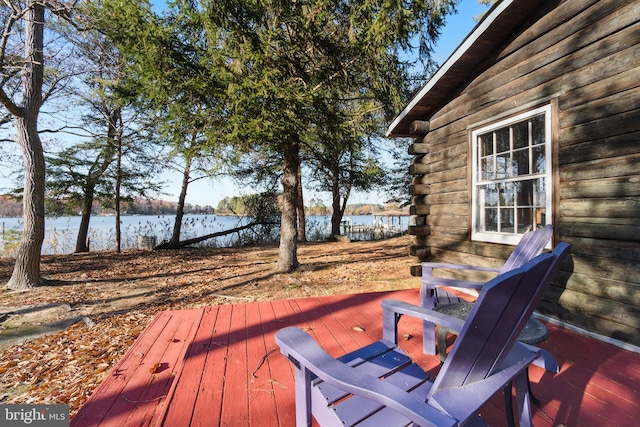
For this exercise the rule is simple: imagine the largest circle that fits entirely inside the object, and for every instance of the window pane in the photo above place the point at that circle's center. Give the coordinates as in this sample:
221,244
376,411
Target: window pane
540,192
538,130
487,170
541,217
507,195
521,162
539,160
521,135
525,220
491,195
524,191
503,163
502,140
506,221
491,220
486,144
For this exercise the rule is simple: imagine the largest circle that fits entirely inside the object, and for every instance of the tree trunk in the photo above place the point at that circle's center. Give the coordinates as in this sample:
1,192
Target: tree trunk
288,255
26,271
118,185
174,243
82,244
336,215
338,203
208,236
302,219
93,177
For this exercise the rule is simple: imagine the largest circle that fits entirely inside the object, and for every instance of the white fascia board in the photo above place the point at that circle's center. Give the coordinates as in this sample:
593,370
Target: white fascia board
457,54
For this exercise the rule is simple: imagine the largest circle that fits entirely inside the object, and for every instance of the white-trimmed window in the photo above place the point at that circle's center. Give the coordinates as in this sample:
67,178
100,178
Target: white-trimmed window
512,177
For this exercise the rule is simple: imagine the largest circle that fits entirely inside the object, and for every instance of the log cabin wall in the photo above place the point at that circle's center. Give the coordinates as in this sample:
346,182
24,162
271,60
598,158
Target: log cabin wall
583,58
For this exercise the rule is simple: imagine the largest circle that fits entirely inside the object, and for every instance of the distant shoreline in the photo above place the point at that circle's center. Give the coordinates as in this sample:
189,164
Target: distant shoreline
61,232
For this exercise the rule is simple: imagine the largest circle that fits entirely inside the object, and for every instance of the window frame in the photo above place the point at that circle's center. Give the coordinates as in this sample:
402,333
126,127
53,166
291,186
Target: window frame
482,129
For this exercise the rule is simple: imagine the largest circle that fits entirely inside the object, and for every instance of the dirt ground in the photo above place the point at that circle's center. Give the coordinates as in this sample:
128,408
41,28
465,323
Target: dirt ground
58,342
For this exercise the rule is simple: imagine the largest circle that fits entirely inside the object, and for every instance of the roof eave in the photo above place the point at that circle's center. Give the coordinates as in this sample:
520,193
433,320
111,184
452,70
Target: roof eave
394,131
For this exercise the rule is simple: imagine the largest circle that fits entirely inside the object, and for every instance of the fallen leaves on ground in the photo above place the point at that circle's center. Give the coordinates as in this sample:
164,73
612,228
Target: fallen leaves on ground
119,294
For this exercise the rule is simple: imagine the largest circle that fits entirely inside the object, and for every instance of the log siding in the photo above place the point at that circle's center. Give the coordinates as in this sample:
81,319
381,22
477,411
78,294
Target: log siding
583,57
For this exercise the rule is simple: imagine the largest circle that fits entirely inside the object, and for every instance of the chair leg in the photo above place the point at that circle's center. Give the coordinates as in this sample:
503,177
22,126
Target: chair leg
390,321
523,399
428,338
427,296
427,300
508,404
533,398
443,333
303,397
508,399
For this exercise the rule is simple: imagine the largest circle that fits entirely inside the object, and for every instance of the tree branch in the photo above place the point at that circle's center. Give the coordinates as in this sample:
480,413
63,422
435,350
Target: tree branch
9,104
4,98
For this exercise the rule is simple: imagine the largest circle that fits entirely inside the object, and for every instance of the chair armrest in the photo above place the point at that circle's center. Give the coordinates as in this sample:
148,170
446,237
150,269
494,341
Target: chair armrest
393,309
428,279
432,265
305,353
452,283
545,359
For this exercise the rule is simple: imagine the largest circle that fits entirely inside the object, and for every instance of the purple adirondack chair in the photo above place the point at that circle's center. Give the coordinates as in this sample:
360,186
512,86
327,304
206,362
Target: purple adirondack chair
379,385
431,295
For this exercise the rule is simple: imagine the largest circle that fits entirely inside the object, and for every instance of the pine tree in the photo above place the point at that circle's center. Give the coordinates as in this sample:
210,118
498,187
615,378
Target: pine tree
303,66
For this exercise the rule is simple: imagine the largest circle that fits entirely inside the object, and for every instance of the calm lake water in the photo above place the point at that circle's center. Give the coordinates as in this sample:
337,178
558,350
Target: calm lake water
61,233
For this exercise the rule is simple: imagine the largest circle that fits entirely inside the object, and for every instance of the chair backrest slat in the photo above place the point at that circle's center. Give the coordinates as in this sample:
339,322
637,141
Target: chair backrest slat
530,245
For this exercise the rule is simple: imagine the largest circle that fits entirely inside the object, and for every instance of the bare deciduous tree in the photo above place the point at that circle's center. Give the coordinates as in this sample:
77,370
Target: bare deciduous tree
22,57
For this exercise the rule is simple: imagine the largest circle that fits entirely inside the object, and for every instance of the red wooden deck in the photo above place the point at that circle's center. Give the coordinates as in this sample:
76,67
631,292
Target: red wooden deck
220,366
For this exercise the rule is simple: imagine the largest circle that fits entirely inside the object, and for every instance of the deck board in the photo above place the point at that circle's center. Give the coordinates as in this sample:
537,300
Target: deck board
281,373
260,346
220,366
194,369
208,408
160,366
235,397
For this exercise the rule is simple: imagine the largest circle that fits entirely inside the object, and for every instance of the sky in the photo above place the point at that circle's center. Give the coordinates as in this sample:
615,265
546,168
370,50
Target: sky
210,192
